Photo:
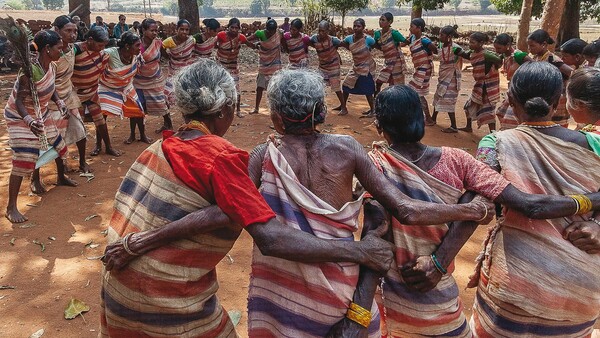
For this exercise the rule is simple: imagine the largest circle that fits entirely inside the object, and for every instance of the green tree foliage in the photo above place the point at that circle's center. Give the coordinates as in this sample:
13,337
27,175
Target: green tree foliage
53,5
428,5
590,9
170,7
513,7
314,11
15,4
259,6
345,6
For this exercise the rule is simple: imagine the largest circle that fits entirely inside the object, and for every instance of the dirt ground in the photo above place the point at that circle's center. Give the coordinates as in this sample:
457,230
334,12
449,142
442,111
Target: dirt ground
43,281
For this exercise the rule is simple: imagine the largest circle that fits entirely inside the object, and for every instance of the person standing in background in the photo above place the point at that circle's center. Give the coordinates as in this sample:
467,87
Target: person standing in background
120,28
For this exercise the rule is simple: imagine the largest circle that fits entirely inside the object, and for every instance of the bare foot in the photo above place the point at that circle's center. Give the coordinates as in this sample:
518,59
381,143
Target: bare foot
37,187
96,151
467,129
66,181
429,122
85,168
129,140
369,115
14,216
146,139
239,114
338,107
161,129
113,152
343,112
255,111
450,130
368,112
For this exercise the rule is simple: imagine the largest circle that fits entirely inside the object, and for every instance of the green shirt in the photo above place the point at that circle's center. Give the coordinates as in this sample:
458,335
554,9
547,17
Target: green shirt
396,36
261,35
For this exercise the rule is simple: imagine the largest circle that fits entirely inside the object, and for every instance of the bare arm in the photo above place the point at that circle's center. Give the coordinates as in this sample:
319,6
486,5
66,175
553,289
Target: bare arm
404,208
566,70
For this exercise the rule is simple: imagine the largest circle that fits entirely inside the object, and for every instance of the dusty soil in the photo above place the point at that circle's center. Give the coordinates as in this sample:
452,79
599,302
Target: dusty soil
43,281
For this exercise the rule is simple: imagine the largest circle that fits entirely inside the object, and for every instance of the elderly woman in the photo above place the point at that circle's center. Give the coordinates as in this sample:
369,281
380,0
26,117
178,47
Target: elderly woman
323,210
424,257
171,291
529,270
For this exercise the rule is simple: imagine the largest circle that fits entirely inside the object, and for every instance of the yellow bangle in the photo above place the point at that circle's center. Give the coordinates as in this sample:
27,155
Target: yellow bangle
584,204
358,314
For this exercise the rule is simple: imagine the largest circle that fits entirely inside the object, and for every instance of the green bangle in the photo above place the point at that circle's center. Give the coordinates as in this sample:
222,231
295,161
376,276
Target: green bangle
437,265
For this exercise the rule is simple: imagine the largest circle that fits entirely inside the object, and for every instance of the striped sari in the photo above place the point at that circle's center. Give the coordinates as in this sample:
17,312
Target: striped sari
23,143
149,81
486,91
170,291
394,65
290,299
205,49
297,52
423,63
438,312
269,55
449,79
532,282
329,63
363,62
116,89
227,55
87,70
505,113
179,56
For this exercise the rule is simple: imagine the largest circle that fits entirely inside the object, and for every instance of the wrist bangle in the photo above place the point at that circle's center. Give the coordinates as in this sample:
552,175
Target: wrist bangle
594,220
28,120
583,203
486,213
125,242
437,264
359,314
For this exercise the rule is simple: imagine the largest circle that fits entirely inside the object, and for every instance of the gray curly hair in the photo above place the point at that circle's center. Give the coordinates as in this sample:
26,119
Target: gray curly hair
298,95
204,88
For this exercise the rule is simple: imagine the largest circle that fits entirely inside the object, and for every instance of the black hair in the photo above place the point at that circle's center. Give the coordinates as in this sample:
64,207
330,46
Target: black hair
97,34
388,16
99,17
62,21
584,85
45,37
128,39
297,23
234,21
480,37
146,23
271,25
573,46
450,31
361,21
212,24
419,22
136,23
399,113
540,36
122,16
504,39
592,49
183,22
537,86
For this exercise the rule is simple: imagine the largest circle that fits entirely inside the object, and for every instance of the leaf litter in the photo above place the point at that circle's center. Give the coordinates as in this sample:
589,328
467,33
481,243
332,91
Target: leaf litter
76,308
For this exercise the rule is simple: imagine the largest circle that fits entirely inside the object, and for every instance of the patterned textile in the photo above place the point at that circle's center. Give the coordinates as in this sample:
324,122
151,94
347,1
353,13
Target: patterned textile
329,62
116,87
363,62
505,114
527,263
449,78
269,55
151,81
289,299
297,52
227,55
205,49
423,63
24,144
394,65
486,91
179,56
86,72
170,291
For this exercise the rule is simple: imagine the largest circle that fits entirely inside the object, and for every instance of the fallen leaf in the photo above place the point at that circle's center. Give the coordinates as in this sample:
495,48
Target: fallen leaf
81,195
235,316
75,308
7,287
37,334
93,246
121,162
93,258
52,238
230,259
27,225
12,241
35,241
89,243
31,205
104,232
2,297
86,175
90,217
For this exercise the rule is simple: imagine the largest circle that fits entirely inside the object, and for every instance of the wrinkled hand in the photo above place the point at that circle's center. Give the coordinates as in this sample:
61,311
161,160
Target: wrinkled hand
584,235
485,207
421,274
378,253
115,257
347,328
37,127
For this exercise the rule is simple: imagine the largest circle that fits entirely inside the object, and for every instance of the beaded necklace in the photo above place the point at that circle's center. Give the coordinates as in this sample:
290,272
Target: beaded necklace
540,124
195,125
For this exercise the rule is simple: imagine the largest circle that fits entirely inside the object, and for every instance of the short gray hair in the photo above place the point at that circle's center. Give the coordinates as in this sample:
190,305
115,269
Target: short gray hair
298,95
204,88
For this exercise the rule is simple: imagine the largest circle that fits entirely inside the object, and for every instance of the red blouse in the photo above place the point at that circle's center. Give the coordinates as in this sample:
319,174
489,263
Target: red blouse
218,171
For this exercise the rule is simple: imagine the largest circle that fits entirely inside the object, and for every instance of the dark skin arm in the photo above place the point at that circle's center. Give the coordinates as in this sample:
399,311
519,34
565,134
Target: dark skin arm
37,127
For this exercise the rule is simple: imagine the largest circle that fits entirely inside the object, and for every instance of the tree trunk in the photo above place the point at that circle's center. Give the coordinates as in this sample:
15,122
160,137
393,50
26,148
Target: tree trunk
551,17
343,22
150,9
108,5
569,25
416,12
83,12
189,10
524,22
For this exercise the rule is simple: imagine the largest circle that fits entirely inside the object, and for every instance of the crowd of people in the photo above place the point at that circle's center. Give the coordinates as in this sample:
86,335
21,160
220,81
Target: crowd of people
316,271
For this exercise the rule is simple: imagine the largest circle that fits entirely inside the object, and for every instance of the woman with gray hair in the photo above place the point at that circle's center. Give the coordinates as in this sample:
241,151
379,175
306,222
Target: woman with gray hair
180,209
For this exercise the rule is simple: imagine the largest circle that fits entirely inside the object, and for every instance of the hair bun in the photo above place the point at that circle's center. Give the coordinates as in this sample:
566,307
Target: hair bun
537,106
